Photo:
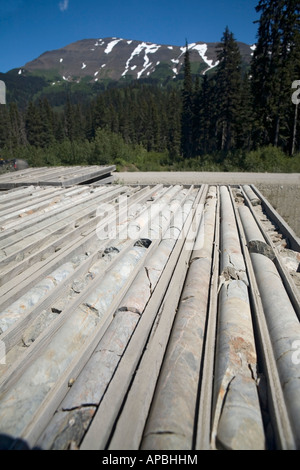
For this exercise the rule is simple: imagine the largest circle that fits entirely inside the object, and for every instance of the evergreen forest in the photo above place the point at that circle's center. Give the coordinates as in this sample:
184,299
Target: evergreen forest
232,119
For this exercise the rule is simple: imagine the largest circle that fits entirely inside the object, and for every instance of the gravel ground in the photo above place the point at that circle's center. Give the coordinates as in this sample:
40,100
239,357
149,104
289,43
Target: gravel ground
281,189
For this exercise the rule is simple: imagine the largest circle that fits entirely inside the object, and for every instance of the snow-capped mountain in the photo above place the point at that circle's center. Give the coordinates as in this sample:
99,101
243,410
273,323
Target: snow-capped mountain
116,58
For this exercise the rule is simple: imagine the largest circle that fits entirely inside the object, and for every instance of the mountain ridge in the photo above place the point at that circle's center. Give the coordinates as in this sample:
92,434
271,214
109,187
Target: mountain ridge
86,67
117,58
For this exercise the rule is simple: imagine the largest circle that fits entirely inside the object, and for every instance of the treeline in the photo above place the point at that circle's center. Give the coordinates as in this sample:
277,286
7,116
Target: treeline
238,109
142,115
231,119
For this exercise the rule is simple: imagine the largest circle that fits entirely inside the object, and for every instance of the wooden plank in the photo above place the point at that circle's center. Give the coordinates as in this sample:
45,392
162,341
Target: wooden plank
64,221
276,218
46,249
19,285
99,432
61,387
54,176
204,418
278,411
236,359
70,199
14,333
128,243
137,296
9,381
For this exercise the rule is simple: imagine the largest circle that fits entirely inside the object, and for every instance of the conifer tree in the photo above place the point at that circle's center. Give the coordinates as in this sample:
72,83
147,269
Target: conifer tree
33,125
196,118
70,120
3,126
228,91
59,128
16,126
46,123
207,116
275,66
174,126
245,123
187,118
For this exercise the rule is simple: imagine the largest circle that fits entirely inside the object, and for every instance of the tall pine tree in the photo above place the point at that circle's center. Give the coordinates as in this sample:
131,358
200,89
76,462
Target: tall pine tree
187,117
205,112
228,91
33,125
275,65
174,126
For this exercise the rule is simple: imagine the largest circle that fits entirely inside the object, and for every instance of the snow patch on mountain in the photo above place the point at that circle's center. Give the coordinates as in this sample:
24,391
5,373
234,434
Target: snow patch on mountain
253,47
99,42
111,45
202,49
147,48
131,57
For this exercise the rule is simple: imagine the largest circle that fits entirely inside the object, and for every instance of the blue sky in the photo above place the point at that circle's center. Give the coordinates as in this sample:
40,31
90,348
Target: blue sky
30,27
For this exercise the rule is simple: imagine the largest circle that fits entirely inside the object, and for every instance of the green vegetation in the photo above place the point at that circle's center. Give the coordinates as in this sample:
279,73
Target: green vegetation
108,148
